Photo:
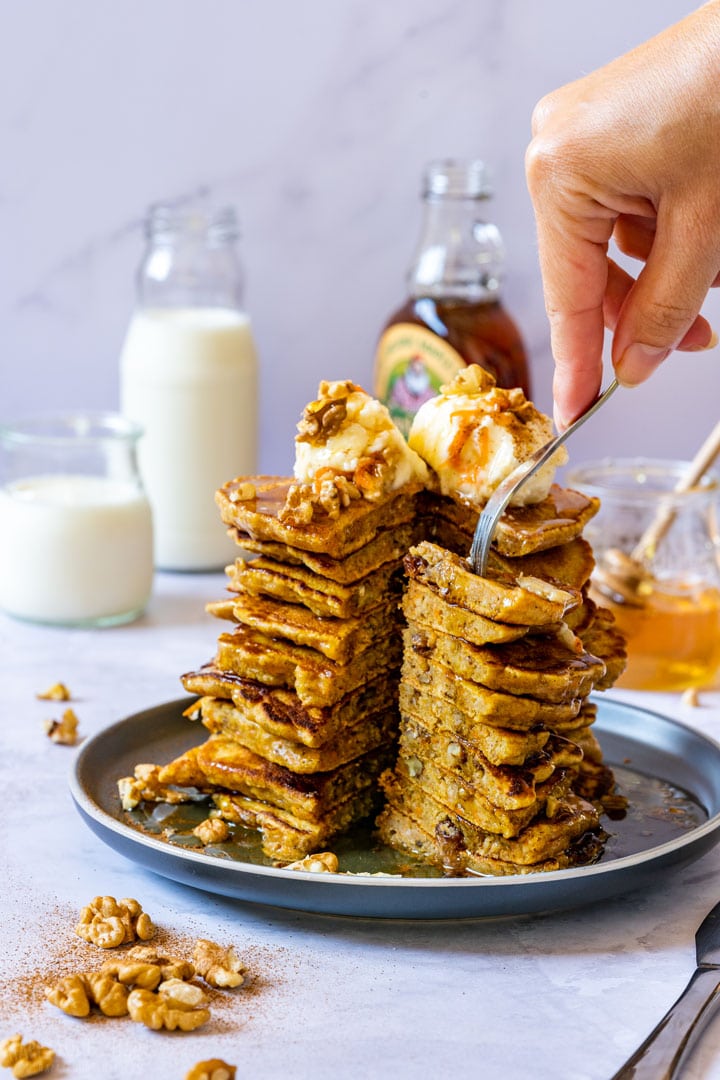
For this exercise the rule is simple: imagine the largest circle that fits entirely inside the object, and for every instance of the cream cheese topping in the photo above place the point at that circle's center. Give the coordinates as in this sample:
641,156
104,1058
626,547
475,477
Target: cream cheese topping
474,433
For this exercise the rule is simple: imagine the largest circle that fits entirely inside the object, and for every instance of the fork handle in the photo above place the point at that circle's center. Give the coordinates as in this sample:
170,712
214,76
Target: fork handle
660,1056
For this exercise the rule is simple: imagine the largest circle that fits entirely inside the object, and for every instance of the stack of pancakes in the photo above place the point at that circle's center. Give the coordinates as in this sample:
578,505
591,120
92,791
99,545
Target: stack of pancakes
301,698
497,762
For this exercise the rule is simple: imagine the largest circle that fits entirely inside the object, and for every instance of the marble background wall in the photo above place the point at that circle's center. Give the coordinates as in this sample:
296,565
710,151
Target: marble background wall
315,121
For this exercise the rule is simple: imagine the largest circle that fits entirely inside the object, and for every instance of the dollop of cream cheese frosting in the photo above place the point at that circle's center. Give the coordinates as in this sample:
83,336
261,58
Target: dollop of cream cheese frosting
474,433
350,434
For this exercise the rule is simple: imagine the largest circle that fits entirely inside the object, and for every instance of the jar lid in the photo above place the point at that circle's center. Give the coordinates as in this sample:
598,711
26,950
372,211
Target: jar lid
457,179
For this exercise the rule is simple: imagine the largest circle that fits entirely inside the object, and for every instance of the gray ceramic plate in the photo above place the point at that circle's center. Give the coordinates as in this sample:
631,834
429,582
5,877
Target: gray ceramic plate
670,773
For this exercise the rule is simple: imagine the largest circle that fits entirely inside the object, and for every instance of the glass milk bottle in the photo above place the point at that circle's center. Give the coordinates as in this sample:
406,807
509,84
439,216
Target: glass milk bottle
453,314
188,376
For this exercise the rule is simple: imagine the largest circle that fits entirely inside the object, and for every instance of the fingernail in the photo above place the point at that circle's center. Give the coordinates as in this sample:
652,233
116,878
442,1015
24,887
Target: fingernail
702,348
560,422
639,361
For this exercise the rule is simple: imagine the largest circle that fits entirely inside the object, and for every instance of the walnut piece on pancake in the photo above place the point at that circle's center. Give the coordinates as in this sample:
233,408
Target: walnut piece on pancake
218,965
25,1058
212,1069
347,448
243,492
213,830
108,922
324,862
145,786
57,692
63,731
474,433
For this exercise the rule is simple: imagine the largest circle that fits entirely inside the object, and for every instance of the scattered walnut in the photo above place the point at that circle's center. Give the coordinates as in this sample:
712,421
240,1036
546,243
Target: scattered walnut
325,862
181,995
108,922
691,697
57,692
213,1069
26,1059
128,967
63,731
145,786
242,492
219,967
212,830
74,994
156,1012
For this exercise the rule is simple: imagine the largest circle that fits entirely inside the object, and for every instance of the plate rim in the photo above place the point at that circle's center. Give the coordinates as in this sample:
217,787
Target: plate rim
93,810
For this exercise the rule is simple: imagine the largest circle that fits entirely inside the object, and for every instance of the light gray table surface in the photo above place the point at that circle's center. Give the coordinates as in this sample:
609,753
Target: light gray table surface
564,996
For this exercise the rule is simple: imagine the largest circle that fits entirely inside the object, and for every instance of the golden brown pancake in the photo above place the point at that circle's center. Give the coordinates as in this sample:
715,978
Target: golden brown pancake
499,596
315,679
324,597
539,666
604,640
360,522
281,713
423,606
367,732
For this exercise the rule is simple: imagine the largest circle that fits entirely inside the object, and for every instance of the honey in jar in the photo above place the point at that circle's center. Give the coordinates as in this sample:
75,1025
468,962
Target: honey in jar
453,315
669,615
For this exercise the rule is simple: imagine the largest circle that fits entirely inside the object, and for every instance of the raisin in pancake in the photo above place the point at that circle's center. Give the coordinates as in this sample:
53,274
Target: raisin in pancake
499,596
495,708
298,585
509,787
387,545
541,666
341,640
259,517
286,837
445,846
425,607
280,712
220,762
315,679
366,733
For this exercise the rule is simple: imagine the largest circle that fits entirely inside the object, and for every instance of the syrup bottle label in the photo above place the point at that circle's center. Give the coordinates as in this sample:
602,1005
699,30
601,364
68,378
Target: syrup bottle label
411,364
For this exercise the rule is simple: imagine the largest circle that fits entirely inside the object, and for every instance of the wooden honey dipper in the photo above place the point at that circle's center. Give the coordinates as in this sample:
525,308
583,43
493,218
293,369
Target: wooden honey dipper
627,576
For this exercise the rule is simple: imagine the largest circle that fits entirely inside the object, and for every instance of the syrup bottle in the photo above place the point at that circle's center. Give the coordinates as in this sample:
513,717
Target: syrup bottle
453,315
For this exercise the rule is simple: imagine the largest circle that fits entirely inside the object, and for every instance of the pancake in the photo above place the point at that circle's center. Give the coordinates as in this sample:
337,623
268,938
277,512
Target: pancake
324,597
604,640
509,787
315,679
541,666
280,712
341,640
360,521
366,733
423,606
222,763
500,596
462,798
568,565
542,838
401,831
387,545
285,837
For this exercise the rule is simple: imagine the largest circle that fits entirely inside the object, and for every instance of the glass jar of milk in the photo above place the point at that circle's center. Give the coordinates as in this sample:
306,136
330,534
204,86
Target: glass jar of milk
76,535
188,376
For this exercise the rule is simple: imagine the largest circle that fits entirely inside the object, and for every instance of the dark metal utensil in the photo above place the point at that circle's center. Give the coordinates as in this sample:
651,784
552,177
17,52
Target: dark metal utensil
662,1053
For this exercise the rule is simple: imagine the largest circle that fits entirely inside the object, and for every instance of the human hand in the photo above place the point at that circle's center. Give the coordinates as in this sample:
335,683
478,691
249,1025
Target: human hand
630,152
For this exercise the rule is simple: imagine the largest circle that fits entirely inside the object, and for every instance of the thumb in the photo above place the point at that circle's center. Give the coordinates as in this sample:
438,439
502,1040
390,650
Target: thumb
664,301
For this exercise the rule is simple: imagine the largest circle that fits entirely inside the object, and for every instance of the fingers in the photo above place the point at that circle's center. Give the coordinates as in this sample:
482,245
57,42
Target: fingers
699,336
660,310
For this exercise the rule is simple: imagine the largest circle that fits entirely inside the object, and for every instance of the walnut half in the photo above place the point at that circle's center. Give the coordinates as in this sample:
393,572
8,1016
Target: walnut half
213,1069
108,922
25,1059
218,966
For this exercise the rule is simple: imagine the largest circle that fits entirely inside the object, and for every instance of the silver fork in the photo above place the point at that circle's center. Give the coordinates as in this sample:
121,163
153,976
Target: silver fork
498,501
